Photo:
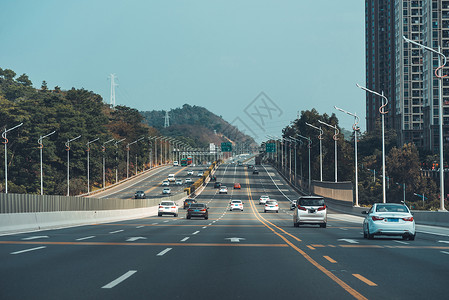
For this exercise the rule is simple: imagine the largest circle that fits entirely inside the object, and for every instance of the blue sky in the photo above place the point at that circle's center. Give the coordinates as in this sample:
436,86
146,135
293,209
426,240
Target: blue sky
217,54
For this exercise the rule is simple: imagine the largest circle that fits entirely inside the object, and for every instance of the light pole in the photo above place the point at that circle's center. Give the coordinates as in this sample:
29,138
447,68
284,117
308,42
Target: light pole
151,150
41,146
103,149
127,155
88,174
116,158
382,112
356,128
335,137
296,150
440,76
6,154
320,138
309,145
67,148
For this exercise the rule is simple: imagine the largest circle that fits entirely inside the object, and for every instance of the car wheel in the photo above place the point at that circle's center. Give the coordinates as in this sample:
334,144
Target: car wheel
411,237
370,236
323,225
295,224
364,233
205,218
176,215
188,217
265,211
277,211
159,215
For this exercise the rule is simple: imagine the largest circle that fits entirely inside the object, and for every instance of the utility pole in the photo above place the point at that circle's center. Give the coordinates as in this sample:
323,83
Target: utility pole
113,85
166,120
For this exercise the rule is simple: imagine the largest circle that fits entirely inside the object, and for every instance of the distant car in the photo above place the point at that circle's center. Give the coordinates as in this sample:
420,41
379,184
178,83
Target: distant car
213,178
263,199
223,190
236,204
237,185
188,201
293,204
200,174
139,195
310,210
256,171
166,191
165,183
178,182
171,177
190,172
217,184
250,166
167,208
271,205
389,219
198,210
188,181
239,164
175,163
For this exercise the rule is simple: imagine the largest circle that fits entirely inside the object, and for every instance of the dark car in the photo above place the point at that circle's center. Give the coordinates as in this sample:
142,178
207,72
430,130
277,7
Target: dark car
213,178
139,195
188,201
250,166
217,184
255,171
198,210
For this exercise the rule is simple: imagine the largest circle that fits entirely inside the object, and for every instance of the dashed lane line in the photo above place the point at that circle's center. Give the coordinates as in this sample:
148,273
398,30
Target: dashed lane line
86,238
28,250
119,280
117,231
367,281
164,252
185,239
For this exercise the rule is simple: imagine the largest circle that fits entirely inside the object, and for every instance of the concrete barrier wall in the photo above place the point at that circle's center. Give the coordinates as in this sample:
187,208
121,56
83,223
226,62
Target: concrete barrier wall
335,190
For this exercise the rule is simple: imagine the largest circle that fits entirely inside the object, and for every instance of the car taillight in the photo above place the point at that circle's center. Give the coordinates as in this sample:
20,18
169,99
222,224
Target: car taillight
301,208
408,219
173,207
277,205
203,209
377,218
322,208
160,206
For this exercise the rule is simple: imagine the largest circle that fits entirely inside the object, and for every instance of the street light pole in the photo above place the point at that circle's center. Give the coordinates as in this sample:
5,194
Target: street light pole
356,128
127,155
6,154
67,148
88,175
382,112
440,76
309,145
335,137
116,158
320,138
103,149
41,146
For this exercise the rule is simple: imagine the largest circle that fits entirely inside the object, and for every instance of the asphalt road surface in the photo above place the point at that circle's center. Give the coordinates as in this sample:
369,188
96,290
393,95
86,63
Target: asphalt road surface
233,255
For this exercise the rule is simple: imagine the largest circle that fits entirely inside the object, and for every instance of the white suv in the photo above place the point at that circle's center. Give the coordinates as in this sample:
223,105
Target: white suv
263,199
310,210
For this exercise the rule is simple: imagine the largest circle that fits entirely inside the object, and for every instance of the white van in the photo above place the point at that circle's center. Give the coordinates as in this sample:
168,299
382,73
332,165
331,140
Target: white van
175,163
171,177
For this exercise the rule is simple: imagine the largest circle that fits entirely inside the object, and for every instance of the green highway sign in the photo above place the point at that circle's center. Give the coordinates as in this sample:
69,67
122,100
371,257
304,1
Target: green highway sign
270,147
226,147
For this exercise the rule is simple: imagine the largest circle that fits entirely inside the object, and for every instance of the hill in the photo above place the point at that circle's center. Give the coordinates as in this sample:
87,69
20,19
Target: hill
198,123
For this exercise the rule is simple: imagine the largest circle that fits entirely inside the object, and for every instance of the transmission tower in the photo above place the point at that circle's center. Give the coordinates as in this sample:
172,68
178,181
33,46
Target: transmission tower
166,120
113,85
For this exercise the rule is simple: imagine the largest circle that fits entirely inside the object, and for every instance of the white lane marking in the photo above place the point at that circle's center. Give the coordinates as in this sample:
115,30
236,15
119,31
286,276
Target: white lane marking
117,231
444,252
343,228
196,232
235,239
401,242
276,184
35,237
119,280
154,224
447,242
166,221
349,241
135,238
204,227
140,226
163,252
185,239
434,233
86,238
28,250
209,224
214,221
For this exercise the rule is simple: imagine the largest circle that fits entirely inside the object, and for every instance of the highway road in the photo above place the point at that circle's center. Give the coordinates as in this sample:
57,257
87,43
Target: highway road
232,255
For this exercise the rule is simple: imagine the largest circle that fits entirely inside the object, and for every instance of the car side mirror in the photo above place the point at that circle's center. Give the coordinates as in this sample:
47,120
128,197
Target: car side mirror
364,212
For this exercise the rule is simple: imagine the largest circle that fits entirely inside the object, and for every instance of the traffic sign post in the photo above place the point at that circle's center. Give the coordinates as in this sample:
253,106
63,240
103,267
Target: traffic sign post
270,147
226,147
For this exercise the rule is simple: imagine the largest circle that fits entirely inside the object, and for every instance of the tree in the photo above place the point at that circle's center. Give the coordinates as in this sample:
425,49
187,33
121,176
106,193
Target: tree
44,86
24,80
9,74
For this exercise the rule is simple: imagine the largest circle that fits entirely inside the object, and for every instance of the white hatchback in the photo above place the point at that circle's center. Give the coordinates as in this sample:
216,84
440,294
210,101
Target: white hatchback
389,219
310,210
236,205
263,199
271,205
167,208
166,191
223,190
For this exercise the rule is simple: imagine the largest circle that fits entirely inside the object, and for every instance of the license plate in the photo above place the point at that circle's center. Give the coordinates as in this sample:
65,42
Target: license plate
311,210
393,220
196,210
271,206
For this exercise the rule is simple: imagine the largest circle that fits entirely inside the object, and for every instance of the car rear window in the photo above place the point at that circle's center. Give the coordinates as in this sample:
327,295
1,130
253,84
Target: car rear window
236,201
197,205
391,208
271,202
167,203
311,202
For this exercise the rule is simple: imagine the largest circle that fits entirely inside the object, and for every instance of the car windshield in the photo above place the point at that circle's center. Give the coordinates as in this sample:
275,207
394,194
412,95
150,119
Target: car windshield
236,201
167,203
391,208
311,202
197,205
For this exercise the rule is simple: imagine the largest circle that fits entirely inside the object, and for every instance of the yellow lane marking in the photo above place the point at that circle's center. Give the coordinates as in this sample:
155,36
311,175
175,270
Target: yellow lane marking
143,244
367,281
318,246
156,186
310,247
330,259
337,280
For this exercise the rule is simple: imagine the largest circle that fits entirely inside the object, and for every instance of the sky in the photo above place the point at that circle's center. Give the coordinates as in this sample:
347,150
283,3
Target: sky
256,63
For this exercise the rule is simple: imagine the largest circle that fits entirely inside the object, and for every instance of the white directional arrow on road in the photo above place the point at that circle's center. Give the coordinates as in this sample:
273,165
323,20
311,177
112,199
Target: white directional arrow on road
35,237
135,238
349,241
447,242
235,239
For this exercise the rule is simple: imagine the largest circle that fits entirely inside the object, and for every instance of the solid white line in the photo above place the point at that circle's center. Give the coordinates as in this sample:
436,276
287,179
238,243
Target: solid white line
163,252
209,224
196,232
166,221
401,242
343,228
140,226
118,280
27,250
117,231
276,184
434,233
86,238
185,239
204,227
154,224
444,252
